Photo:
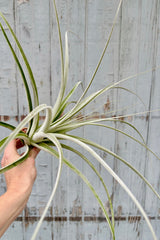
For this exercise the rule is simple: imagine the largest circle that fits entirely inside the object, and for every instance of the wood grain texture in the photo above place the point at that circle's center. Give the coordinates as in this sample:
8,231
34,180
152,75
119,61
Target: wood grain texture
134,47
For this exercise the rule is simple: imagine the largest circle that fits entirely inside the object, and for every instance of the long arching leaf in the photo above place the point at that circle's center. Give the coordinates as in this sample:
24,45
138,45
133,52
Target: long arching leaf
22,124
96,172
91,143
7,125
32,80
103,53
21,71
115,176
33,83
50,150
53,139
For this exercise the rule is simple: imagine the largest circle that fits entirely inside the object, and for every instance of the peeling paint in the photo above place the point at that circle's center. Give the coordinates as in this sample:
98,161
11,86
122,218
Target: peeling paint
19,2
108,209
147,117
107,105
75,219
6,118
95,115
119,211
130,219
26,31
77,208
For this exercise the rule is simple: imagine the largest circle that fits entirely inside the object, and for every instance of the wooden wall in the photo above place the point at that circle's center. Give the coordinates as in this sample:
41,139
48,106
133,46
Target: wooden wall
134,47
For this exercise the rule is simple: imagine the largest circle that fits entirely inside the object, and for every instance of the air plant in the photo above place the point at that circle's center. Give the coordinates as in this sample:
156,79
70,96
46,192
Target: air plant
50,135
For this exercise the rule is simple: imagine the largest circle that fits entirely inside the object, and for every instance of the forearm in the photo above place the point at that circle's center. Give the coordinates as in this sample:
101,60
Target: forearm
19,182
11,205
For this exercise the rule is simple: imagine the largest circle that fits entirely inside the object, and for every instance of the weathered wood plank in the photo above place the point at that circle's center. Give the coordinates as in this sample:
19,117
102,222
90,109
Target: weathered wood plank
8,96
131,33
134,47
84,230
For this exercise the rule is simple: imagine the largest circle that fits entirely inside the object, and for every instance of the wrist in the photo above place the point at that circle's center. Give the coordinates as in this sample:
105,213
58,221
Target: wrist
11,205
20,192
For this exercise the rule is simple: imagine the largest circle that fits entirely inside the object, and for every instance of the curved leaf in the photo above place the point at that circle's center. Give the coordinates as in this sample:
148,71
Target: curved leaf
32,80
23,123
103,53
65,101
36,101
64,68
20,69
97,173
17,162
48,149
114,175
7,125
91,143
52,138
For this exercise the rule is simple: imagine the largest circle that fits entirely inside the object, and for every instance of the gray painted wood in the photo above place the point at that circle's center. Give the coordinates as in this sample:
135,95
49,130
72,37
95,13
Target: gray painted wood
134,47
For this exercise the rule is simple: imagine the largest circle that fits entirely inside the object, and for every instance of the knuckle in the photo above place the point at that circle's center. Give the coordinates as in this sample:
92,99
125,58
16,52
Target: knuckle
3,162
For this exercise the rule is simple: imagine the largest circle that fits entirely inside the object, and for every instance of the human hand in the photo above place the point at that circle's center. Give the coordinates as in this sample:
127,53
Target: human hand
19,179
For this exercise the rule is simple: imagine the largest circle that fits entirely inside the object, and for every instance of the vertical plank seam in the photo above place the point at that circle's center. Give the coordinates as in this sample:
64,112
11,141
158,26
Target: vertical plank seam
17,92
83,85
16,70
51,98
117,94
155,42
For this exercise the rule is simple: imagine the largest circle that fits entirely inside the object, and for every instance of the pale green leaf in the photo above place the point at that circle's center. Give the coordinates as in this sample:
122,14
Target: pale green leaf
97,173
48,149
23,123
17,162
91,143
106,166
53,139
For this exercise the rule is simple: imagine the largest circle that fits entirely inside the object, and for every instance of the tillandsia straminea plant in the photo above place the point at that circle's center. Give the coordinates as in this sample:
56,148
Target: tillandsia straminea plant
50,135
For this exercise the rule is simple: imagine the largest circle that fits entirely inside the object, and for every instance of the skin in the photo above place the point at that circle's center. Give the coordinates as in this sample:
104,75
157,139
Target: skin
19,182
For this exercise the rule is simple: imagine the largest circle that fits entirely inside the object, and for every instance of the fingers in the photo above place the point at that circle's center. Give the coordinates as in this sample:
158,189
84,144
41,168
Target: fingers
11,154
11,148
15,144
34,152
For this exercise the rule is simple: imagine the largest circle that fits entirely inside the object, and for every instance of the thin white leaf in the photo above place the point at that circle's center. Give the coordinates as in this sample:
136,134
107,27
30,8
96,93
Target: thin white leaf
106,166
52,138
